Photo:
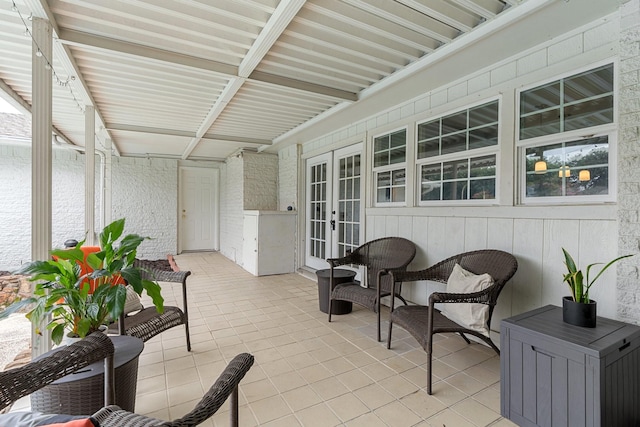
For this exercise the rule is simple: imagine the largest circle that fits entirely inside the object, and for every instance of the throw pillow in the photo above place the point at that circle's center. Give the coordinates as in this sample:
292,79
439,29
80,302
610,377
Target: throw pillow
132,303
470,315
36,419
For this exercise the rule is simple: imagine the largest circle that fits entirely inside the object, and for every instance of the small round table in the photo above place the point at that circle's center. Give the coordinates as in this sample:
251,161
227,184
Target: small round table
82,393
339,276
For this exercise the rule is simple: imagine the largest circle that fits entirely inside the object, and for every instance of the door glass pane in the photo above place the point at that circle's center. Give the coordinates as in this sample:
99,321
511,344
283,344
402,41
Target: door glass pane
348,215
317,206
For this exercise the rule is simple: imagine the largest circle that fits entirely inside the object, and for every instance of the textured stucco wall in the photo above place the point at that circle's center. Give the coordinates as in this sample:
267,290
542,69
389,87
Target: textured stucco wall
629,162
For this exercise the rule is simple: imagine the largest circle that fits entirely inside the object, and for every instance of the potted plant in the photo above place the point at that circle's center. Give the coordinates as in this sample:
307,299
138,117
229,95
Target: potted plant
70,300
578,309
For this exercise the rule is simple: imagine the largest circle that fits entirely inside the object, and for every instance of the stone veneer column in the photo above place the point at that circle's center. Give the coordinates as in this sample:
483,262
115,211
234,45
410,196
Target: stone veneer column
41,179
629,161
90,174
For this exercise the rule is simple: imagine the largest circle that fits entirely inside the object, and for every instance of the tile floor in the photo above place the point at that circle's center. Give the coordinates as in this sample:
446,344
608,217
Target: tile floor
307,372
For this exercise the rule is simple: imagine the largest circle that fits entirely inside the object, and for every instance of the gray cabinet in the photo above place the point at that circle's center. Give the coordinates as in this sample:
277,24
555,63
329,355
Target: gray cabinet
556,374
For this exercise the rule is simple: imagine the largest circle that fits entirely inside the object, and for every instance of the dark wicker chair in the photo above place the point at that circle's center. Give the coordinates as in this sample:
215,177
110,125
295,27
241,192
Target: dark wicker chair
422,322
378,256
22,381
147,323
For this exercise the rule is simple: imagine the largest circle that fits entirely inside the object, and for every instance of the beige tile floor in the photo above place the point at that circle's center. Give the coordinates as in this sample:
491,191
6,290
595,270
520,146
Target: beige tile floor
307,372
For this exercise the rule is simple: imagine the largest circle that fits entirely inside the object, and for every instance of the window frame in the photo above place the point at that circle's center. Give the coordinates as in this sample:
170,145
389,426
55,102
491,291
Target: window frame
608,129
460,155
391,167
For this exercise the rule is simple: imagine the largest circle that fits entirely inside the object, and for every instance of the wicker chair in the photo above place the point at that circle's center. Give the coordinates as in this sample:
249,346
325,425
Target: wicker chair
378,256
22,381
422,322
147,323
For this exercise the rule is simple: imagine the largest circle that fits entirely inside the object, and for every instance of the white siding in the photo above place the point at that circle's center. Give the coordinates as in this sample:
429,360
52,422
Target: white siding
534,235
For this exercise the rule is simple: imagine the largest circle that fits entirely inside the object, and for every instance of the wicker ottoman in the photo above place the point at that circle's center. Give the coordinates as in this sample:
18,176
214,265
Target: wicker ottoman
82,393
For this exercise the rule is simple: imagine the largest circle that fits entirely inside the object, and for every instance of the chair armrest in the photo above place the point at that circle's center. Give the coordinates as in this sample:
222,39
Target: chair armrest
351,258
19,382
225,386
416,275
153,273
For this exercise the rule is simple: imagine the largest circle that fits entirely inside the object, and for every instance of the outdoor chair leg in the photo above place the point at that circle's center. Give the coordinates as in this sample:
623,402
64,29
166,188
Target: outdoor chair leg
378,310
234,407
389,334
429,365
465,338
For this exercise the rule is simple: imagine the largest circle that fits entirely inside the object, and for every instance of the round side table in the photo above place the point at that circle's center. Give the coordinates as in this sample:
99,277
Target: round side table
82,392
339,276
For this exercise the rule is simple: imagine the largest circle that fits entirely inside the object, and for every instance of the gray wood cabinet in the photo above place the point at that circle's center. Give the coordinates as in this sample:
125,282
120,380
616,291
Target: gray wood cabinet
556,374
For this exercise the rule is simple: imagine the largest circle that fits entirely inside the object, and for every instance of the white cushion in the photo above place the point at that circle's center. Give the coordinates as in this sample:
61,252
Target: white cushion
132,303
473,316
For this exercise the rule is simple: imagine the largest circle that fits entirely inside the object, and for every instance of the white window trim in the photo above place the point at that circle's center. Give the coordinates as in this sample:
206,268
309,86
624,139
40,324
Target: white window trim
390,167
608,129
612,135
467,154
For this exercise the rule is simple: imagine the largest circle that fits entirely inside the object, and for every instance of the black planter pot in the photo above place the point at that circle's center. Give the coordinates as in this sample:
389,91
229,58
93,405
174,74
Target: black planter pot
579,313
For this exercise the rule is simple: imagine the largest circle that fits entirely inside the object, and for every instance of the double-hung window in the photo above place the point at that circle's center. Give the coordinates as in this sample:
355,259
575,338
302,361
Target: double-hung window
566,129
389,168
457,155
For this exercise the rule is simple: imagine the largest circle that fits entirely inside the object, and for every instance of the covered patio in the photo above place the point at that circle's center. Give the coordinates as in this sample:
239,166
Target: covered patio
307,372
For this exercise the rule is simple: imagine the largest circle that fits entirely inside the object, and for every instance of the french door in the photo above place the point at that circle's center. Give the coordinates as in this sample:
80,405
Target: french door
334,201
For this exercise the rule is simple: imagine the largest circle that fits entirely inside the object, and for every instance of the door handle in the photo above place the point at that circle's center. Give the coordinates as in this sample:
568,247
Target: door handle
333,224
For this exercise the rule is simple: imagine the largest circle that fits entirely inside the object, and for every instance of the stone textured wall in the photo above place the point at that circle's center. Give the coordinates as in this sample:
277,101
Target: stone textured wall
260,178
629,162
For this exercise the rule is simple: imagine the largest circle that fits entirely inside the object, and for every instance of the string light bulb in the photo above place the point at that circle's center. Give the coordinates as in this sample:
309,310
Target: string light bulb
48,63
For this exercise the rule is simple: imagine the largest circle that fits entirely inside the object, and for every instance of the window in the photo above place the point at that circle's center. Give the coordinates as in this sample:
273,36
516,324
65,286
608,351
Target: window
571,168
566,131
577,102
457,155
389,161
466,179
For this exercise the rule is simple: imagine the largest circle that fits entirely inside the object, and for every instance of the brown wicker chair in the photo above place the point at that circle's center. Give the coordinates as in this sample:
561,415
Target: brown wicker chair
147,323
378,256
22,381
422,322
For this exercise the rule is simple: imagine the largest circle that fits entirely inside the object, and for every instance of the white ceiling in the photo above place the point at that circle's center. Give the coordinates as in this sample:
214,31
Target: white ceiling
201,79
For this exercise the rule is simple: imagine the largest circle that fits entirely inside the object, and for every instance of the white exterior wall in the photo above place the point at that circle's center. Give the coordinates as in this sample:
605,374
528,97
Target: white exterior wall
15,208
232,202
249,182
288,178
144,192
534,235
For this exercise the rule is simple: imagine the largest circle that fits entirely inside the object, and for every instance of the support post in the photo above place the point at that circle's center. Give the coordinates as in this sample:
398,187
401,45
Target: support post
90,174
41,153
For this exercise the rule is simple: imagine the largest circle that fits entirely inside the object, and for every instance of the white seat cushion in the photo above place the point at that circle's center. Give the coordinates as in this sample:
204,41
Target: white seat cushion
470,315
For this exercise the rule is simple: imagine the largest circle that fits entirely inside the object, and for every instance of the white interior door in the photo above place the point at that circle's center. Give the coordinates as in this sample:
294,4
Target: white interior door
334,194
198,216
